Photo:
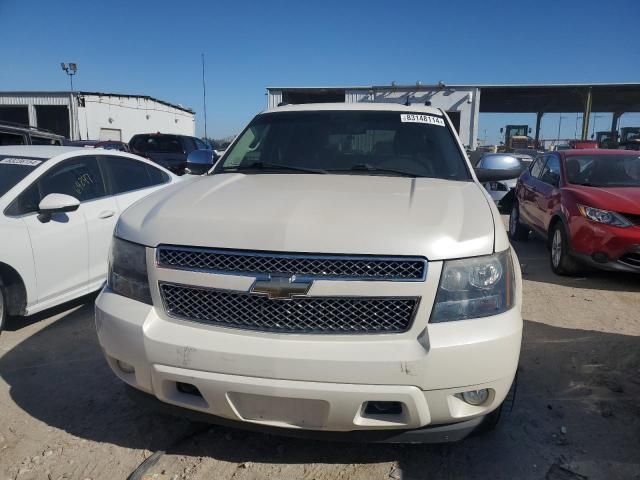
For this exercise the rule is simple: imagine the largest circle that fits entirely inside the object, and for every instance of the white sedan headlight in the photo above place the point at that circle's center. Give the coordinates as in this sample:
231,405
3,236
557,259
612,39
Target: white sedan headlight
475,287
604,216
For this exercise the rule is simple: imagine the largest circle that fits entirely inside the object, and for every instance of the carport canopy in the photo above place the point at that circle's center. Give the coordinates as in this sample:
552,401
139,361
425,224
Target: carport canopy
617,98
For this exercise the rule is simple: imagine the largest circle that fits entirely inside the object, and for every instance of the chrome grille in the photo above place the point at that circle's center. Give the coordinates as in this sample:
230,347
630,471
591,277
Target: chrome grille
320,315
317,266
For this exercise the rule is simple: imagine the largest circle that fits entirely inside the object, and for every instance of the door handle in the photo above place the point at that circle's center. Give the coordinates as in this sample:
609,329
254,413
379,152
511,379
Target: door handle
106,214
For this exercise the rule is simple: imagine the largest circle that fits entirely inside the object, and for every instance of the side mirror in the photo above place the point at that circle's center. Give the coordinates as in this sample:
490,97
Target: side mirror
200,162
529,129
58,203
494,167
501,130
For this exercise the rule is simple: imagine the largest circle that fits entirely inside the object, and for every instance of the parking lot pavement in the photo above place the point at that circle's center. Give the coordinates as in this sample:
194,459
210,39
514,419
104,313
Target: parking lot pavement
577,412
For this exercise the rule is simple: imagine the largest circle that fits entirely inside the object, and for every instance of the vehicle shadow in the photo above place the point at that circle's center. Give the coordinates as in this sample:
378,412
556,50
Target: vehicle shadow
534,260
13,324
577,401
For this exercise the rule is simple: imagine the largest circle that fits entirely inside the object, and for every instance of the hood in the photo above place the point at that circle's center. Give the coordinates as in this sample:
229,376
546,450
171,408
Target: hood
349,214
618,199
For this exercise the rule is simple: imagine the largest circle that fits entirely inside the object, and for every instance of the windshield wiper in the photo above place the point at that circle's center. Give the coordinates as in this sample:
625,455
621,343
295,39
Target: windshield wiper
274,166
365,167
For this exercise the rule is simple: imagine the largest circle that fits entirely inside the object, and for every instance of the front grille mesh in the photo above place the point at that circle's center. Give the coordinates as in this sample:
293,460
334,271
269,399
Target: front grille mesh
318,266
631,259
328,315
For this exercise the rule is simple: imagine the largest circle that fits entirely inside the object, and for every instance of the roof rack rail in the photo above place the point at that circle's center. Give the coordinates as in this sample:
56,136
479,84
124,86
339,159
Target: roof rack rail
24,125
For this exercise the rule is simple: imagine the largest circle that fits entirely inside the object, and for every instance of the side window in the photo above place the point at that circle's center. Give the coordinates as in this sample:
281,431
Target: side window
79,177
35,140
536,168
26,202
551,172
156,175
10,138
200,145
189,144
126,174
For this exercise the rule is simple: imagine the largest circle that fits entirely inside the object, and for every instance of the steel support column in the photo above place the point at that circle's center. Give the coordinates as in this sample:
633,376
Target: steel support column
586,115
538,120
615,121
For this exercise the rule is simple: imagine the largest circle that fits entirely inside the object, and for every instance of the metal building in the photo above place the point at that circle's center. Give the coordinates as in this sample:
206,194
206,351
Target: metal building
94,115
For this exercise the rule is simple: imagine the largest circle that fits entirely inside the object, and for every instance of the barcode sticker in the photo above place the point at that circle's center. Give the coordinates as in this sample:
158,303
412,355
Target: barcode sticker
419,118
20,161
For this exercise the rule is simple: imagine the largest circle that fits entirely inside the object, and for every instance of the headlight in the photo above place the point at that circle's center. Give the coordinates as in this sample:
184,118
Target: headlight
128,270
604,216
475,287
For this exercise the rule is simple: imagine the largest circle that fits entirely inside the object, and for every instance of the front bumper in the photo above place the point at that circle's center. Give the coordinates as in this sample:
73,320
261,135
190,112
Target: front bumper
430,434
302,382
606,247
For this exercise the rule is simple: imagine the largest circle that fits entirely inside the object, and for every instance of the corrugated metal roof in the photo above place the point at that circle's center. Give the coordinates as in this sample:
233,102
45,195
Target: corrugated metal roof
414,86
104,94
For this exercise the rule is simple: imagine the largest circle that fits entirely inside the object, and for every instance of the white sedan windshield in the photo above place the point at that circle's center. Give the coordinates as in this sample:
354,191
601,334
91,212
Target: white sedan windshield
13,169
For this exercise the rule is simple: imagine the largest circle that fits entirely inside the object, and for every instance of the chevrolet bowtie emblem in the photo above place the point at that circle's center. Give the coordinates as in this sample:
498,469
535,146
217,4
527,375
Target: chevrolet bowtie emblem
281,287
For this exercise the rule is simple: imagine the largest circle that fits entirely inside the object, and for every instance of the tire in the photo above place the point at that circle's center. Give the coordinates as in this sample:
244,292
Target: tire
559,257
517,231
492,420
3,306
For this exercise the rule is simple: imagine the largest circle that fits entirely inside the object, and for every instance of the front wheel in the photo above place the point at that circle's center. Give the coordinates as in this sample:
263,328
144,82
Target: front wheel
3,306
517,231
491,421
561,261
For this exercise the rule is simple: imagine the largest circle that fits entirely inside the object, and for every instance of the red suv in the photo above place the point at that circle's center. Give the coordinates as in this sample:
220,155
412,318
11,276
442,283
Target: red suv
586,205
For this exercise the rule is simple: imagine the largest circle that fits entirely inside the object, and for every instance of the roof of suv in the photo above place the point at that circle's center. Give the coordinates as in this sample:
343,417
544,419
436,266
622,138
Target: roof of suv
384,107
37,151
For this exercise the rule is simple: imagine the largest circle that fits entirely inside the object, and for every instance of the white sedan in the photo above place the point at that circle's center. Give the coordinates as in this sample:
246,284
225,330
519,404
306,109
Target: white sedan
58,209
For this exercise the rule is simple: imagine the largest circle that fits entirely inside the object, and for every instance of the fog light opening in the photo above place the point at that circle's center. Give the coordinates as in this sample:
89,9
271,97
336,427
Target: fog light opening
125,367
476,397
188,389
383,408
600,257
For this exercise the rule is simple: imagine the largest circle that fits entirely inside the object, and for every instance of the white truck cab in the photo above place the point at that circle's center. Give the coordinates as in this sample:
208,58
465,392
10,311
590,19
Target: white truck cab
340,272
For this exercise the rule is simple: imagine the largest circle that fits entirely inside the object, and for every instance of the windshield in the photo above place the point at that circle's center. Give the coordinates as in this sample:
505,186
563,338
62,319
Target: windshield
157,143
14,169
604,170
348,142
517,130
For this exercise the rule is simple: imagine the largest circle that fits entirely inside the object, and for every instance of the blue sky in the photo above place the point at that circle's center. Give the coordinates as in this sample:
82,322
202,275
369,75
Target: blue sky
154,48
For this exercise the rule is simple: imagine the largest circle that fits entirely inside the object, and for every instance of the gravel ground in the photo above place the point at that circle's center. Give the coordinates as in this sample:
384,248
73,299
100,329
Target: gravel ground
63,415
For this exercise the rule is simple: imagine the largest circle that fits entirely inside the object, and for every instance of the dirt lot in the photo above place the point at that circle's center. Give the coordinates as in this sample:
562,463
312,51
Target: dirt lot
577,413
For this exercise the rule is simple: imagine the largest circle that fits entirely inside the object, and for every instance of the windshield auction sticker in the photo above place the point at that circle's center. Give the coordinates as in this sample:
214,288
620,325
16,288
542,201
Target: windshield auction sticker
419,118
27,162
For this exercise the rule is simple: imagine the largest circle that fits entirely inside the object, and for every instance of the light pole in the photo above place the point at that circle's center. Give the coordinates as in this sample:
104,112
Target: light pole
71,69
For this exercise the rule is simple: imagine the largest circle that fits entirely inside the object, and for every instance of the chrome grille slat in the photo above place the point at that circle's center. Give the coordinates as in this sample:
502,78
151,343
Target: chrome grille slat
318,315
316,266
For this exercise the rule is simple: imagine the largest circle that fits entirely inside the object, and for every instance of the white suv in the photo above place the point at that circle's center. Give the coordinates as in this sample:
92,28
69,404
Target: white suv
58,208
339,272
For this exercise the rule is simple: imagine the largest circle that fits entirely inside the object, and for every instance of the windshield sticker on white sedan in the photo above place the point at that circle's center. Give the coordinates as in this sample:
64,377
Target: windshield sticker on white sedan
20,161
419,118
